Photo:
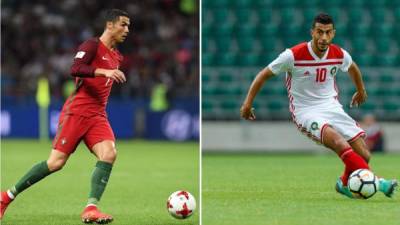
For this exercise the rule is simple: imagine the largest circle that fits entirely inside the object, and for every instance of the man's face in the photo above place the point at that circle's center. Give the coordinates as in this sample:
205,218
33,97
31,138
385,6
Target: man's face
120,28
322,35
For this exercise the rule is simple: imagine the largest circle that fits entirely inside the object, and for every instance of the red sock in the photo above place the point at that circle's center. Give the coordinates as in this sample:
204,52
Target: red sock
352,162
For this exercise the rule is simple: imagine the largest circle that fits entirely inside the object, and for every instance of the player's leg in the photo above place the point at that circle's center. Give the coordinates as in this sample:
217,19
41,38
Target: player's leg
106,154
100,140
385,186
335,141
39,171
361,148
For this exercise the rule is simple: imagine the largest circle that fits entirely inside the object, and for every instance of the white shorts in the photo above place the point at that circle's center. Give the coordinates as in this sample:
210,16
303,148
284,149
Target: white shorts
313,122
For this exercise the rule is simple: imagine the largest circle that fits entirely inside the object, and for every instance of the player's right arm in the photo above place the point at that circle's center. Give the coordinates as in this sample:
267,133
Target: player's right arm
283,63
82,67
246,110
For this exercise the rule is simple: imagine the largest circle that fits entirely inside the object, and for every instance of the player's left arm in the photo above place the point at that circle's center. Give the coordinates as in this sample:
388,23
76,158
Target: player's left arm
361,94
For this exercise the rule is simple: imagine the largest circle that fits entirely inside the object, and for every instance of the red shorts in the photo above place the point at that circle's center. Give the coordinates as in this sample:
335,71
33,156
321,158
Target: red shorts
74,128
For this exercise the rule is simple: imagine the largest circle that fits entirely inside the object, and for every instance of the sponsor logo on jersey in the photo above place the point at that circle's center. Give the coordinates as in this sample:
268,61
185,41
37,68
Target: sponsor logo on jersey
333,70
63,141
80,54
314,126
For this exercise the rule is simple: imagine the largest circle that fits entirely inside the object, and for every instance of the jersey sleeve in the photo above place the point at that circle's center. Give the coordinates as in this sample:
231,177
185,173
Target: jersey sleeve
283,63
86,52
347,61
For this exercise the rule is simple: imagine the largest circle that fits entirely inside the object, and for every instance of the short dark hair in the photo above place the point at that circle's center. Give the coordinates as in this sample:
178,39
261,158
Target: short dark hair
323,18
112,15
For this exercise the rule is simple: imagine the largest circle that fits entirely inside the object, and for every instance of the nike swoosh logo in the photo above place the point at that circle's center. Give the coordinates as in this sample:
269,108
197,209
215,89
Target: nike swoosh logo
103,181
104,58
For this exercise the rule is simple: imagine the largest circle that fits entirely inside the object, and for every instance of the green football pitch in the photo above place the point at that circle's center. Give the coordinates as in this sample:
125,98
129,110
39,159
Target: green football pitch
144,175
271,189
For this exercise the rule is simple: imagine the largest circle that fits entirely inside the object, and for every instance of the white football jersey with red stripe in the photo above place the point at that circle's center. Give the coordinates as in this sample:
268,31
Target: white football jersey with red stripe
310,80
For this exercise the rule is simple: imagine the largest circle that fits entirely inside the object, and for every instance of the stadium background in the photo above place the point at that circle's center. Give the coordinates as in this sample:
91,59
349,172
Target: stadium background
160,62
159,103
241,37
265,171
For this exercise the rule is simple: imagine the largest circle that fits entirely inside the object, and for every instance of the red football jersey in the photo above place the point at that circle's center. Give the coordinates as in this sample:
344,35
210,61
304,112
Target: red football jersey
91,93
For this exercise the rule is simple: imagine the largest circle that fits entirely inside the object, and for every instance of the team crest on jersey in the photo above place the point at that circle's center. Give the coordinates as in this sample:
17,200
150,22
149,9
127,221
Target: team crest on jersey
314,126
333,70
63,141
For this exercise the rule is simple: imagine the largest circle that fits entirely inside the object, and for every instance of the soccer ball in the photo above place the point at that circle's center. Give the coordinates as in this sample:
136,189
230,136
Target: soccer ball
181,204
363,183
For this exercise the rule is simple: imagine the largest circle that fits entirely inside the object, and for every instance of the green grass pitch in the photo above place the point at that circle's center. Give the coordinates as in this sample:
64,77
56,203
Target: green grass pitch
144,175
272,189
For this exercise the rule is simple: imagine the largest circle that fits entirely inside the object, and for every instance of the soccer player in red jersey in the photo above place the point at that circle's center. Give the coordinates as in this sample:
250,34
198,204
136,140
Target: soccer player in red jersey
83,116
311,68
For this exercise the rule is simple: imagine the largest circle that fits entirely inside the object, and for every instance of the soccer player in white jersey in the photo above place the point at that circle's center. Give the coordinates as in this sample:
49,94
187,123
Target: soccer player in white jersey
313,98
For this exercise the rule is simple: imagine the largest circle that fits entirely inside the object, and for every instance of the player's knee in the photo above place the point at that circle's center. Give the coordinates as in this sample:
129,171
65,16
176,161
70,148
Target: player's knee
55,165
109,156
340,144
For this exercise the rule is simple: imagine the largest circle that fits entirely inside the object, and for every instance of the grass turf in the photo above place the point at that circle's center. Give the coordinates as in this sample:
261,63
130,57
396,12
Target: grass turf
145,174
268,189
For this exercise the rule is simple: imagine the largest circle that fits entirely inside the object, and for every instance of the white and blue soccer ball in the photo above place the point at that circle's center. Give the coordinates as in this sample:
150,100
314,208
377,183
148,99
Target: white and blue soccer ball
181,204
363,184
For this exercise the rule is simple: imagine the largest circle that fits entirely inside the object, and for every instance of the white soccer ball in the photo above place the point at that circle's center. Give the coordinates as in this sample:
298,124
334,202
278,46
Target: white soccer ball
181,204
363,183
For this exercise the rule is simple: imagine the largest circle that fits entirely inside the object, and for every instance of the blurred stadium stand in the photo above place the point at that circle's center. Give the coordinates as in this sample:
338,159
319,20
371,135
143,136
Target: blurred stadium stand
241,37
41,36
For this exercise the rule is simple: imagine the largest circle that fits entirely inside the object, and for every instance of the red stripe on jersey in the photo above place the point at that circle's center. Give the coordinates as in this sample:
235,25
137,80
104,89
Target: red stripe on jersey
335,52
300,52
319,64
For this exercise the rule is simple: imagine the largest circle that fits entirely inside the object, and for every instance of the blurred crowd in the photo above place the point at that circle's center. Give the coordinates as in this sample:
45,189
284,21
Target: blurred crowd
39,38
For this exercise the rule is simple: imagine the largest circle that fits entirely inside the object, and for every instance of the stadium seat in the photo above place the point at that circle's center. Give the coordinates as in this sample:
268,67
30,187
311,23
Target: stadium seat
288,16
376,4
248,59
353,3
356,15
364,59
285,3
308,15
382,44
225,77
216,3
223,44
268,29
231,104
386,59
391,106
241,4
264,15
245,30
382,30
291,30
331,4
358,29
333,11
359,45
221,16
225,29
243,16
307,4
226,59
207,59
378,15
263,3
246,44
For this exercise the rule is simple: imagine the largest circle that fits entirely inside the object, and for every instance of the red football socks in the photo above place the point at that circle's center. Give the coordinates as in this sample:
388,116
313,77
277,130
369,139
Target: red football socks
352,162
